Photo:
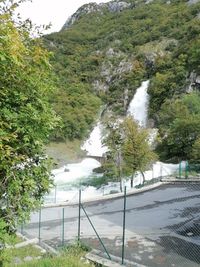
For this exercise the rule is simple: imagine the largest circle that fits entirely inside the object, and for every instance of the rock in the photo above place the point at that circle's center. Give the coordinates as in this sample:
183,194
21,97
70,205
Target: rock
17,261
118,6
124,66
197,80
83,10
100,86
114,6
126,98
28,258
151,123
191,2
149,1
66,170
113,192
193,82
98,170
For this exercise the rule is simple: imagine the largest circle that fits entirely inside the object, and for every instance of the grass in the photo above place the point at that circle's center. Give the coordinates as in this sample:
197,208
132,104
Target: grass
13,240
70,257
64,261
21,253
9,254
65,152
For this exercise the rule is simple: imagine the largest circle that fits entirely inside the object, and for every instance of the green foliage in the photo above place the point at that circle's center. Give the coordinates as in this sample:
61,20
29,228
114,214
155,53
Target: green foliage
136,151
113,140
180,129
78,107
160,40
129,150
26,120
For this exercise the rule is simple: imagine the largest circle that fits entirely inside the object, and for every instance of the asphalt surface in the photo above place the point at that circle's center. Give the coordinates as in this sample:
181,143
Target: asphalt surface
162,226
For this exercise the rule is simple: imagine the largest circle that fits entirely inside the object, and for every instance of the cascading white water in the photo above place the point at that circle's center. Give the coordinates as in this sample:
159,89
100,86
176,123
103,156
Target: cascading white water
79,171
93,145
138,108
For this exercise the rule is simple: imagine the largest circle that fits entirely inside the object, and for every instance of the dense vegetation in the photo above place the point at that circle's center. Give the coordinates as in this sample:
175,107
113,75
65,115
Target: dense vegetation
103,57
26,120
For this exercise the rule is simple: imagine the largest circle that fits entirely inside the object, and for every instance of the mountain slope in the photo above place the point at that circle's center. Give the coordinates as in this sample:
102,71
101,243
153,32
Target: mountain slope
102,55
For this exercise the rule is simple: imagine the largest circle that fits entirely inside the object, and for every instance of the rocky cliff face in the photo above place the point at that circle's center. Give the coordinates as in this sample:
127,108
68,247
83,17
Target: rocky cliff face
114,6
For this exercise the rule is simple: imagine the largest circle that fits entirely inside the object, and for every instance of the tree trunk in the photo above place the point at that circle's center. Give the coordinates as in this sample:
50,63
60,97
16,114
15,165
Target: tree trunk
143,177
131,182
132,179
120,185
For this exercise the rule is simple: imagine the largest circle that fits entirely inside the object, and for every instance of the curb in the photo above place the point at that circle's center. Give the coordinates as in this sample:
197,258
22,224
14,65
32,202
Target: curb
182,181
119,195
98,257
107,197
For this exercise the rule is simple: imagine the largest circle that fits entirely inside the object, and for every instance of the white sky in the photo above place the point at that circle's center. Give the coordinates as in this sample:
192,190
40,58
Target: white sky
54,11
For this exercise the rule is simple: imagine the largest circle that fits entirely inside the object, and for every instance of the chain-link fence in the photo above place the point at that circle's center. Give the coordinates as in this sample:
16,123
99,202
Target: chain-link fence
68,192
157,227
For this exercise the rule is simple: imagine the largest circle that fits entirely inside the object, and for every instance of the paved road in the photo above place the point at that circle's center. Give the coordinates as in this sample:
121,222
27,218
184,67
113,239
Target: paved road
162,226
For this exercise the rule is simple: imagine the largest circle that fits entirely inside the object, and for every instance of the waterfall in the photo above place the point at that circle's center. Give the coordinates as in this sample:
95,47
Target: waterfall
138,107
93,145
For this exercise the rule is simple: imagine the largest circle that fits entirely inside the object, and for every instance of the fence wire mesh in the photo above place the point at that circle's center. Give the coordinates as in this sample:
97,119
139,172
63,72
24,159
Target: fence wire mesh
162,224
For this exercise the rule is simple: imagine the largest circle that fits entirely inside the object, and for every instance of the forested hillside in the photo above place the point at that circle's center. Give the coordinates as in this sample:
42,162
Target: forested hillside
104,52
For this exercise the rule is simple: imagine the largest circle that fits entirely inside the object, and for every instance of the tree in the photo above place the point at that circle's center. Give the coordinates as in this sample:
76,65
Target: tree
129,150
113,140
26,120
180,129
136,152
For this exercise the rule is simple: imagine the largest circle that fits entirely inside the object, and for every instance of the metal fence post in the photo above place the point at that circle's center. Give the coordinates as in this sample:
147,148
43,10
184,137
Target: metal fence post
96,232
39,230
180,171
186,169
79,216
124,226
152,172
63,226
55,197
161,171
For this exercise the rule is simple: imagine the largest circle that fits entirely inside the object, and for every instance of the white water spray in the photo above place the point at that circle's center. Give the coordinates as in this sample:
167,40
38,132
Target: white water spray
93,145
138,107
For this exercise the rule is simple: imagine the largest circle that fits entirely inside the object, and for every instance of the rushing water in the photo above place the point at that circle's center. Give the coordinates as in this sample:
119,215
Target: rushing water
93,145
68,177
138,107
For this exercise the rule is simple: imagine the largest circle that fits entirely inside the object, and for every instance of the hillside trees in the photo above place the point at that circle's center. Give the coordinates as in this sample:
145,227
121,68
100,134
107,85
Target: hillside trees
26,119
180,129
75,68
163,38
